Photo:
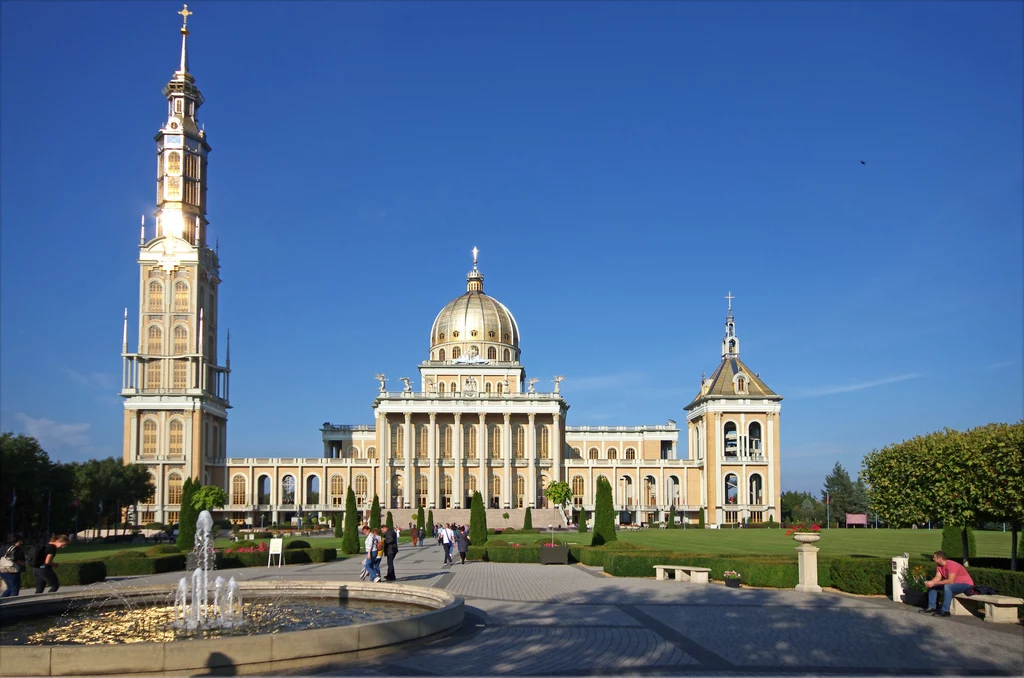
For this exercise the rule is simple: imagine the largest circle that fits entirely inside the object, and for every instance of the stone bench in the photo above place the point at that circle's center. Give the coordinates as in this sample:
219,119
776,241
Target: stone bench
998,609
695,575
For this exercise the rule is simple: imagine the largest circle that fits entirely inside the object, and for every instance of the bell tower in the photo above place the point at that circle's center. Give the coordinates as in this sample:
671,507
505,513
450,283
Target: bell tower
176,394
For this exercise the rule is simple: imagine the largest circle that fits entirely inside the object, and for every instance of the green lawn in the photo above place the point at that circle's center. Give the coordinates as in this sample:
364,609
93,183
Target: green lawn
882,543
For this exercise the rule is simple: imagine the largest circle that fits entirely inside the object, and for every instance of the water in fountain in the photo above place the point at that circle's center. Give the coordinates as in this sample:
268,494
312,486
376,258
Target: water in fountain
193,607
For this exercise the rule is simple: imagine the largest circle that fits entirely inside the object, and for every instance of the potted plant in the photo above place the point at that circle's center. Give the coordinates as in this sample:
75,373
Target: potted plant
804,533
732,578
914,590
553,553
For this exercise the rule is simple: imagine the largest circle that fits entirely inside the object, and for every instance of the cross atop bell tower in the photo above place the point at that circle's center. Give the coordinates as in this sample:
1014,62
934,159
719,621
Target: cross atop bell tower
730,342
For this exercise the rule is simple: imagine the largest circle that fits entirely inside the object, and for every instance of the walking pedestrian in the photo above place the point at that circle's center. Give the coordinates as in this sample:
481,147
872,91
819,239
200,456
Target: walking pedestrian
390,551
422,535
11,574
462,541
43,566
370,548
447,541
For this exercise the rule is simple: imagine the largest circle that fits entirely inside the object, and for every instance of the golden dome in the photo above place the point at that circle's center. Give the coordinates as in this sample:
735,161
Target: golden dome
474,327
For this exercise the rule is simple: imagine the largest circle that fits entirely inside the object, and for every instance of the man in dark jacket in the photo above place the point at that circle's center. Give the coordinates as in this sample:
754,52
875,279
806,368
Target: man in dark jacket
390,551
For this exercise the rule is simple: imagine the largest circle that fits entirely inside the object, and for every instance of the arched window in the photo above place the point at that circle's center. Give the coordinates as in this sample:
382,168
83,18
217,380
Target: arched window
176,437
181,296
501,387
180,340
754,436
741,385
440,387
518,441
154,340
674,491
494,440
440,356
755,495
353,452
626,491
446,441
174,488
149,438
288,490
576,453
312,490
337,490
371,452
453,388
398,441
487,387
520,491
495,490
650,491
422,490
238,490
731,489
456,352
397,492
630,454
263,490
156,297
592,453
361,485
578,485
508,356
492,353
613,453
174,158
446,483
180,374
731,438
421,441
469,441
471,485
153,375
545,442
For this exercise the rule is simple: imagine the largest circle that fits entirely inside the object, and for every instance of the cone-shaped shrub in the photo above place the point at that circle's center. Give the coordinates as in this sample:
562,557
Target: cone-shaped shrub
350,539
339,525
477,521
581,523
528,520
700,518
430,524
952,542
604,514
419,517
375,513
187,517
390,522
671,523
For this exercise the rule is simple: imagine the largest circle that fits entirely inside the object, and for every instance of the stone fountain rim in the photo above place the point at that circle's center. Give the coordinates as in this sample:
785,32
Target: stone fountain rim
245,654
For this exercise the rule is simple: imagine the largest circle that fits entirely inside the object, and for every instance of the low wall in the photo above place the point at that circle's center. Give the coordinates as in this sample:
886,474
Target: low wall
238,655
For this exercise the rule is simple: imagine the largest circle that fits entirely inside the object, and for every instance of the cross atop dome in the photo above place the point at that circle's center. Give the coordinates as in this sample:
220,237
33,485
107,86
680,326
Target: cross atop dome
475,279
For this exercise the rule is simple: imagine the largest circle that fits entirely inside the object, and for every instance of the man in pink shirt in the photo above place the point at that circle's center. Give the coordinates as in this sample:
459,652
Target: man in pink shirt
953,579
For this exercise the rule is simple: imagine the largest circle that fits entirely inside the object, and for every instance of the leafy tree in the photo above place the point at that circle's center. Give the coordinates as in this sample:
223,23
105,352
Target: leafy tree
788,502
700,518
891,476
375,513
208,497
477,520
528,520
36,484
604,514
558,493
1001,447
390,522
671,522
419,518
187,516
953,547
430,524
350,537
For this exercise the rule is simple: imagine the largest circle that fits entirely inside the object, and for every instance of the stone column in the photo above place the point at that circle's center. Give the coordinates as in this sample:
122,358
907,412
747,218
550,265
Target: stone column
410,482
717,475
432,460
506,444
807,559
481,455
531,453
384,454
457,492
556,445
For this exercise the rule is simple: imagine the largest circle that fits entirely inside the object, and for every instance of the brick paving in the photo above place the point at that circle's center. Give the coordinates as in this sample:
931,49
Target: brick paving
532,620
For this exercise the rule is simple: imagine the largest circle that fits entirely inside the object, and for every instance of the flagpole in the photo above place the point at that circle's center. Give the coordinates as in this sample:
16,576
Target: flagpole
828,511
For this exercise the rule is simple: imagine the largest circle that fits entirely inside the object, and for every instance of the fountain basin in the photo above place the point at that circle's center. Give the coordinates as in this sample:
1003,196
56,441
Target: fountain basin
442,614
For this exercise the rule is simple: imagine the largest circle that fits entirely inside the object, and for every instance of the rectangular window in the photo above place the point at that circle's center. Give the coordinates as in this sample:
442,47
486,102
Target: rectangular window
731,517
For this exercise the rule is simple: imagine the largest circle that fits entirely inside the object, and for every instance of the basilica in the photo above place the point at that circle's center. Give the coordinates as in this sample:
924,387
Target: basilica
473,422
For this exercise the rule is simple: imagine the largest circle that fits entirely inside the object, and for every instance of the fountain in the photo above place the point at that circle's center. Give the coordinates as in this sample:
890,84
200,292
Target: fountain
200,624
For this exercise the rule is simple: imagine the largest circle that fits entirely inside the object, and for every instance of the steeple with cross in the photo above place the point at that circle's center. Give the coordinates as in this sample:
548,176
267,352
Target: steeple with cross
730,342
475,279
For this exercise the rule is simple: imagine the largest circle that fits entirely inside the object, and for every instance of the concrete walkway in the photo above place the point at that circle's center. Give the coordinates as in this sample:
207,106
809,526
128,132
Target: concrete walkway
574,620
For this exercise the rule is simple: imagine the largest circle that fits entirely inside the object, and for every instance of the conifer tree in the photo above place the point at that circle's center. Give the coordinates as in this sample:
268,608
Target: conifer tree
430,524
604,514
952,542
350,538
581,522
375,513
187,517
671,523
700,518
528,520
419,518
478,521
390,522
339,525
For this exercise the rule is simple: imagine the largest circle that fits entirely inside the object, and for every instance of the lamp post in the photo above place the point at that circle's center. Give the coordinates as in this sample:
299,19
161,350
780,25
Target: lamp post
552,528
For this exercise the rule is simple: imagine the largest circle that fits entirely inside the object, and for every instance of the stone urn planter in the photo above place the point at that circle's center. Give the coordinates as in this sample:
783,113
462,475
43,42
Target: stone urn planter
733,583
806,537
554,555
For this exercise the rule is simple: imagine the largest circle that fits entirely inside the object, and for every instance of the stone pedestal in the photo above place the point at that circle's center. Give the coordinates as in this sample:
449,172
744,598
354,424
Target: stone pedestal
807,557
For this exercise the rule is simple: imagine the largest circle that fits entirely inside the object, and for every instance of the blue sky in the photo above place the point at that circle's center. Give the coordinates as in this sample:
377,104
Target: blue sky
621,167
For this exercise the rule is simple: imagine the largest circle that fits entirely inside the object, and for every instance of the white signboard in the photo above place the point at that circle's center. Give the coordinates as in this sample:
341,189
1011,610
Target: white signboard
276,549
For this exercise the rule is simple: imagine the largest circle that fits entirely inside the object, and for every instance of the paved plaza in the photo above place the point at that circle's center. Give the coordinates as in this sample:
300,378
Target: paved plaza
575,620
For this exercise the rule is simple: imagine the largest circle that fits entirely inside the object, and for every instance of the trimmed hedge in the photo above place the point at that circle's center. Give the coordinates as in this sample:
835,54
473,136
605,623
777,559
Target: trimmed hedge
513,554
476,553
162,549
1005,582
860,574
291,557
77,573
495,542
297,544
128,554
120,567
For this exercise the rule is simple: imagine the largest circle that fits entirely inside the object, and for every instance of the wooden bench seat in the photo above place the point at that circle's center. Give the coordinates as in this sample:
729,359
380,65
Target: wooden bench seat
998,609
695,575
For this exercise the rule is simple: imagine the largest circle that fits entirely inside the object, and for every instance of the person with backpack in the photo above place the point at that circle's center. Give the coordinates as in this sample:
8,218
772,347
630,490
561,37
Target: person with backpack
12,565
43,566
390,551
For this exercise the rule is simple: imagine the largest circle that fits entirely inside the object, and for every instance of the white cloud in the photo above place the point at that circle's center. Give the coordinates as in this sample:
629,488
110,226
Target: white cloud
999,366
101,380
51,433
856,386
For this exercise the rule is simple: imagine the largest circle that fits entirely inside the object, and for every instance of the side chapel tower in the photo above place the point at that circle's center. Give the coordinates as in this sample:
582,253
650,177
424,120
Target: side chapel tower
176,395
733,428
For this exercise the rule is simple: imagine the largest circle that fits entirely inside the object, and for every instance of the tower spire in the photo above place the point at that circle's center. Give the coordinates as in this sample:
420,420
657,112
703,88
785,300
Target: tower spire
730,343
185,14
475,279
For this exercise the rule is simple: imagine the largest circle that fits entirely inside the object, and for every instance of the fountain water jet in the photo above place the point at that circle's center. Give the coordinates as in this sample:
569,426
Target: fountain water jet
193,608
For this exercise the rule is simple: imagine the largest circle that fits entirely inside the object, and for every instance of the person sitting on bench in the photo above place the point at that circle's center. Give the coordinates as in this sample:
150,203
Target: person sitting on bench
952,577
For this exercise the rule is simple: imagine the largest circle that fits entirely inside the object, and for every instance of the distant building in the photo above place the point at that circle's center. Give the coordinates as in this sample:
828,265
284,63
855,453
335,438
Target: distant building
474,422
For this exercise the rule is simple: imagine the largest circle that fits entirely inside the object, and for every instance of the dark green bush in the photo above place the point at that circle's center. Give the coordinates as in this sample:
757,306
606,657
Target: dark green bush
496,542
155,526
528,520
162,550
1005,582
952,542
989,563
77,573
297,544
476,553
121,567
262,535
291,557
512,554
859,574
508,530
127,554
